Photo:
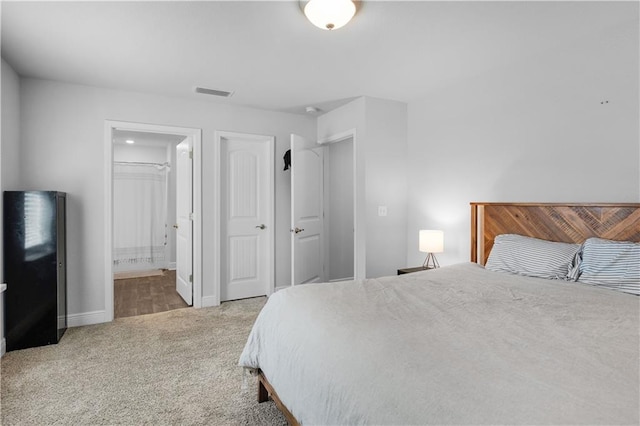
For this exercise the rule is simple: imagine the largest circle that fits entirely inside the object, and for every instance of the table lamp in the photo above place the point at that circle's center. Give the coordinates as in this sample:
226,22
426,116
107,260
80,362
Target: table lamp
431,241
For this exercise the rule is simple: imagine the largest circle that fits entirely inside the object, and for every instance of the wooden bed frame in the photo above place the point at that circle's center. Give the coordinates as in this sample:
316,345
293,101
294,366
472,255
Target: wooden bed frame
266,391
566,222
569,223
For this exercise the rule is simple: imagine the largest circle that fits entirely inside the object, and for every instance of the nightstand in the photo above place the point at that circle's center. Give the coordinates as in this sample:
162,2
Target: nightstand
410,270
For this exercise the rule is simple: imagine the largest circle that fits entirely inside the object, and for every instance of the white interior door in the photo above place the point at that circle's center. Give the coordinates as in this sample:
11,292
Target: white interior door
247,234
307,254
184,210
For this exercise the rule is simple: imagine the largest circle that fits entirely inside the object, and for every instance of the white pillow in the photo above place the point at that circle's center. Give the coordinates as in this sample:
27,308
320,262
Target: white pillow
611,264
531,257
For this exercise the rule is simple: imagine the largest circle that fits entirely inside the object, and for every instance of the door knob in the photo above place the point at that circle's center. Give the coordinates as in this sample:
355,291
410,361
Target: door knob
263,226
297,230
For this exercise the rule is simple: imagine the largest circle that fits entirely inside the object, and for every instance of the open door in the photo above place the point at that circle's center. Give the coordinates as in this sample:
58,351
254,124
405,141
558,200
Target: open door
184,211
307,252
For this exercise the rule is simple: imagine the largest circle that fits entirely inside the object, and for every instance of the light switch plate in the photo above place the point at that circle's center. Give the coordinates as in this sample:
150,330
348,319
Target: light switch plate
382,210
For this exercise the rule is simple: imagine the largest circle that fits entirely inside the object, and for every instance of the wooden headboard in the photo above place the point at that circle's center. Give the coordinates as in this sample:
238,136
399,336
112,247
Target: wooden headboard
571,223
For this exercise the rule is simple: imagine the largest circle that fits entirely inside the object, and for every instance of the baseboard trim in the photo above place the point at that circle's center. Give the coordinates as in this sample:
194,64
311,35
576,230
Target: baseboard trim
337,280
85,318
3,347
172,266
282,287
208,301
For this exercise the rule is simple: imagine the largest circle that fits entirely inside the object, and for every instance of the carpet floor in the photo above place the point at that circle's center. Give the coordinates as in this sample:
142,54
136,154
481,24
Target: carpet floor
170,368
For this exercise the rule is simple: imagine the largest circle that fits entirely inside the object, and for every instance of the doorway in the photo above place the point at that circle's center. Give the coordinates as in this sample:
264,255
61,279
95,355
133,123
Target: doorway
148,188
339,214
145,222
324,210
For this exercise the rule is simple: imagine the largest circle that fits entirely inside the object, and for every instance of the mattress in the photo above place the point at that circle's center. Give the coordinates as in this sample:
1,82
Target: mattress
455,345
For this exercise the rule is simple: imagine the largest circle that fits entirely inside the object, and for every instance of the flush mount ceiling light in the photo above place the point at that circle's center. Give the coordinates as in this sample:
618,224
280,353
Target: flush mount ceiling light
329,14
130,141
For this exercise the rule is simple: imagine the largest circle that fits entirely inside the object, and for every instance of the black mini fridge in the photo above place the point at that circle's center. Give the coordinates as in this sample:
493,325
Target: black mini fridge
35,268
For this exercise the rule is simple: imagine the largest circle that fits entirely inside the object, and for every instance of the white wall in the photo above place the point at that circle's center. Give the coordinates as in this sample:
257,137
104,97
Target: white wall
9,154
63,145
535,131
381,177
386,185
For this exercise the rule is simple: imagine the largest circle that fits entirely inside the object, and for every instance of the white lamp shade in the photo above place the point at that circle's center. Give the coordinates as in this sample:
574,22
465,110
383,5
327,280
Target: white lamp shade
330,14
431,241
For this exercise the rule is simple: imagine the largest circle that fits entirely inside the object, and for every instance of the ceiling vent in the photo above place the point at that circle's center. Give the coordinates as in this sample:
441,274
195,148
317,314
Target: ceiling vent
213,92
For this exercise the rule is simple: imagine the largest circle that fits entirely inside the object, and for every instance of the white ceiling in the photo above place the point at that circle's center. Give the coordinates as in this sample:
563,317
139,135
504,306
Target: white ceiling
273,58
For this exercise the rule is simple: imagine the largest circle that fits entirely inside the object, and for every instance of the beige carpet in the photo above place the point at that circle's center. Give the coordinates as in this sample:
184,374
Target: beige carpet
171,368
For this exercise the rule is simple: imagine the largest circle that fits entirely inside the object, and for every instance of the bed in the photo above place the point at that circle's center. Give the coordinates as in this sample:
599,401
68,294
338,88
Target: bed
461,344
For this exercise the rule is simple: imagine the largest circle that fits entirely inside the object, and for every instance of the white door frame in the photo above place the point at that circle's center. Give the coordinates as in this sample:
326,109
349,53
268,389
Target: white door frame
359,237
219,135
196,134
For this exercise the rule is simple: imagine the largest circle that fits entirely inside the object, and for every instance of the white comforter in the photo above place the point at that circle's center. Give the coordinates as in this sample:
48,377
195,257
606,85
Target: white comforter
456,345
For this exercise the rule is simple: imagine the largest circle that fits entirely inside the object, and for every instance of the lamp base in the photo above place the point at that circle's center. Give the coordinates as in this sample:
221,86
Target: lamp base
430,262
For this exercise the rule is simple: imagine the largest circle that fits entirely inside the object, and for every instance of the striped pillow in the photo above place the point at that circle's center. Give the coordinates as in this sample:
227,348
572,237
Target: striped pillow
611,264
531,257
